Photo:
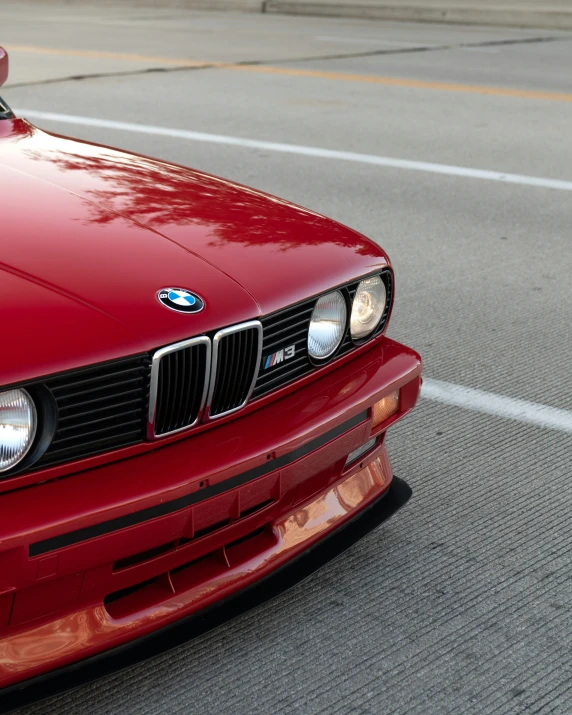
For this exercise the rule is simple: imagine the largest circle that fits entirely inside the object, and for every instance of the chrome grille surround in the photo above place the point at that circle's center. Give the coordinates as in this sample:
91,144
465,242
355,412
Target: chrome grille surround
248,381
155,397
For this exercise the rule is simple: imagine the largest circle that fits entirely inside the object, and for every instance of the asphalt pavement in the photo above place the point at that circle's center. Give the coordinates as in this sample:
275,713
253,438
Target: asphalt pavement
409,133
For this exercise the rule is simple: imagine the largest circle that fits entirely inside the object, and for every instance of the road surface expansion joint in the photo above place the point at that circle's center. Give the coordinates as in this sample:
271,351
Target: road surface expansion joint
199,65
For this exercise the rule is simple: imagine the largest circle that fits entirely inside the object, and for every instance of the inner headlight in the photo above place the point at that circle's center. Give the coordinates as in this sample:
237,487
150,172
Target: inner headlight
327,325
368,307
18,422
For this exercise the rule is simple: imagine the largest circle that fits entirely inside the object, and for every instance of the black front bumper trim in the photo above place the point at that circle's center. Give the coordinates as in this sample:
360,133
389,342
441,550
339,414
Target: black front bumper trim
179,632
107,527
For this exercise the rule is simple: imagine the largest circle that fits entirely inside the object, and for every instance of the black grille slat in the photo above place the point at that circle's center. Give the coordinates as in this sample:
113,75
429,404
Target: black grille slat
194,379
244,377
98,432
287,376
175,411
116,376
227,373
286,325
99,408
186,367
96,446
294,311
278,336
74,396
287,367
221,380
94,412
233,349
119,415
162,405
293,337
237,355
92,403
167,395
180,388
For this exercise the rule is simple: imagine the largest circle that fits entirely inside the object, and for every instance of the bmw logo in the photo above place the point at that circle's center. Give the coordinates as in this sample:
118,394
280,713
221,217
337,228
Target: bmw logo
181,300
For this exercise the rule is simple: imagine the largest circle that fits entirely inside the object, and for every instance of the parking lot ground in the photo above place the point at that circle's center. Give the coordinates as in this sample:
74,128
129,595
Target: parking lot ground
451,147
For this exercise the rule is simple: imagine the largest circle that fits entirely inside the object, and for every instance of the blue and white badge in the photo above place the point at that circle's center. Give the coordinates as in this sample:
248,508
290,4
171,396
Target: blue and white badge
181,300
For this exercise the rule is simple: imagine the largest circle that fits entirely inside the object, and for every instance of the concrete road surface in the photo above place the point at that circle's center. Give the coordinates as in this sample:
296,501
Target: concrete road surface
452,147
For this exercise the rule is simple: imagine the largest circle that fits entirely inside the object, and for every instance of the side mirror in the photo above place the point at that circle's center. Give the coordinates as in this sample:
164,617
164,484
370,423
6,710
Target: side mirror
3,66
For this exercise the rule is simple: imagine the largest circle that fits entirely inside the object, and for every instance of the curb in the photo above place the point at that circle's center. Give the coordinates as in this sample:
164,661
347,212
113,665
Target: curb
549,19
236,5
511,16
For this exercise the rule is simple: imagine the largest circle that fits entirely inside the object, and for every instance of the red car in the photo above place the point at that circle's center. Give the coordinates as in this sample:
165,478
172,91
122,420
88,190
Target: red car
196,388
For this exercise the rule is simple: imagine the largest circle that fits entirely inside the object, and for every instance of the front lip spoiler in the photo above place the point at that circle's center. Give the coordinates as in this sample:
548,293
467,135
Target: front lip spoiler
179,632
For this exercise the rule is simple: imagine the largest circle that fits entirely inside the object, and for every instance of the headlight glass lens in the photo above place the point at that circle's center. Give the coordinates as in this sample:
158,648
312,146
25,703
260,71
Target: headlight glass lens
368,307
327,325
18,422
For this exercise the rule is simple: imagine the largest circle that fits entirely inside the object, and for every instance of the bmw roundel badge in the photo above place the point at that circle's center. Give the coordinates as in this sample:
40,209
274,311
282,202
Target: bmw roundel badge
181,300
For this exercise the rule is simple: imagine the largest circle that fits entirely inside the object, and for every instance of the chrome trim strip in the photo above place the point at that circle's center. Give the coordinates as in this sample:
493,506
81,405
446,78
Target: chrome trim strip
216,340
203,340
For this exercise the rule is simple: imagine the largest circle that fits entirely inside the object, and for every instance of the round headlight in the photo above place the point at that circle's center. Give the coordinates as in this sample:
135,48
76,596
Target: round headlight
327,325
368,307
17,427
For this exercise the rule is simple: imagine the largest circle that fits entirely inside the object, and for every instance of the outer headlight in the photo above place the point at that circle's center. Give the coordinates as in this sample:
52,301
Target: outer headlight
368,307
18,421
327,325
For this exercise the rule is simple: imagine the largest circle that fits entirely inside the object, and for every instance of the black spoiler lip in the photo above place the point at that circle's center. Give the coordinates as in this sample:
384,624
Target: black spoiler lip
291,573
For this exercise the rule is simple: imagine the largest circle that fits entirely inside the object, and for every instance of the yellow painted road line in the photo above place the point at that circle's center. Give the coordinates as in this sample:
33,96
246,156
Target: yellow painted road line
409,83
123,56
401,82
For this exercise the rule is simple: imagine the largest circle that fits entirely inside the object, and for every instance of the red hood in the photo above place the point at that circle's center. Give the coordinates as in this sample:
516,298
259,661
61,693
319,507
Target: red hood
87,247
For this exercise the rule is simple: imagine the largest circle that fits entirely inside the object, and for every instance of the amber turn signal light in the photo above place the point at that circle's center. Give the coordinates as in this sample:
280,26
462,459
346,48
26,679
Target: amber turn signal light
385,408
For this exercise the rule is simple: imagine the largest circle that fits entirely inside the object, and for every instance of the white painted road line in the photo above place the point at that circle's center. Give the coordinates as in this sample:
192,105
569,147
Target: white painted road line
372,159
497,405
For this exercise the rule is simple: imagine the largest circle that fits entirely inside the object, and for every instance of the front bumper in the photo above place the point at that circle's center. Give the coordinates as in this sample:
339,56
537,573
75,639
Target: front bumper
179,632
109,556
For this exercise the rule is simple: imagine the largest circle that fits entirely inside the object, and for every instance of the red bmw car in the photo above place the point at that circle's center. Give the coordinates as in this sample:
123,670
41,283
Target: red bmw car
195,391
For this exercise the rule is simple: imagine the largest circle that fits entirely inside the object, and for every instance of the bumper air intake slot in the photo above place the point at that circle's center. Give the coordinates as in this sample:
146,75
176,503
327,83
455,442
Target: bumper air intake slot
147,593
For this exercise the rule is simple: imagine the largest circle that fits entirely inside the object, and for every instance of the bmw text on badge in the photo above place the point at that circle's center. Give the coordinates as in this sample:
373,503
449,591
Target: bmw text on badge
181,300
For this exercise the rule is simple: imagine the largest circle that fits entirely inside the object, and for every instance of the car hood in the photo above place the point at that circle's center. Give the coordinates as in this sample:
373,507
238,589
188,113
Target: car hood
92,233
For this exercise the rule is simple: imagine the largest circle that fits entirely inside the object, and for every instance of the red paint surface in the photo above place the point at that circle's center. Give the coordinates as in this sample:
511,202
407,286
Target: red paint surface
92,234
96,232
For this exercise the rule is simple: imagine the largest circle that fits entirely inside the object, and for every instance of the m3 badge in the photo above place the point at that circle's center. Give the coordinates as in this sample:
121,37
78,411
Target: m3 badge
280,356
